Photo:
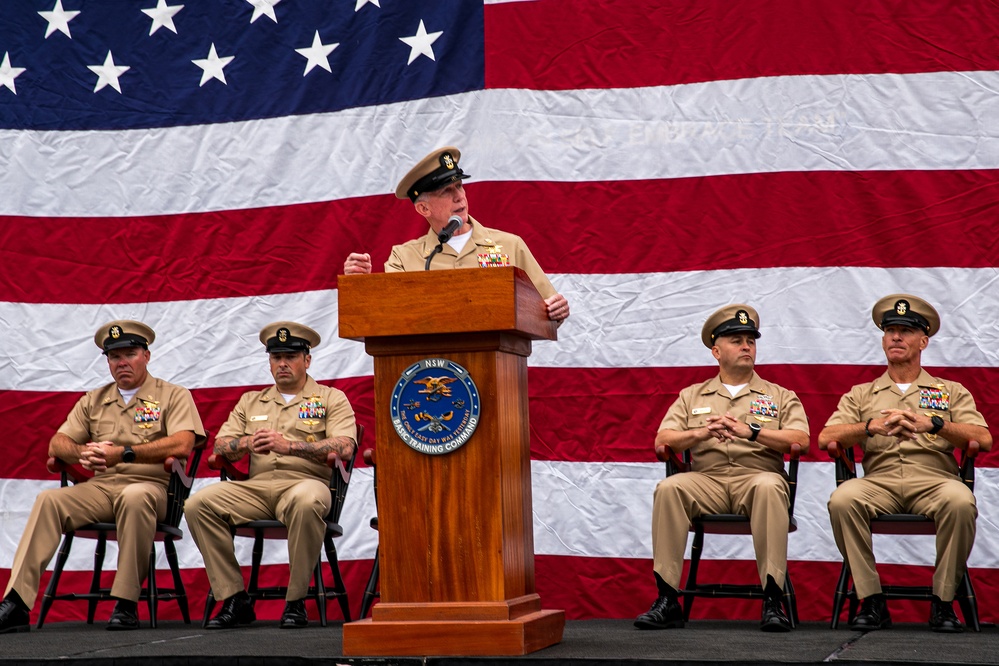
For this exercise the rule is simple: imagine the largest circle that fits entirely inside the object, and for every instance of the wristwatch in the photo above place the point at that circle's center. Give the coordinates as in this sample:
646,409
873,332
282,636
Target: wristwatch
128,455
938,424
754,429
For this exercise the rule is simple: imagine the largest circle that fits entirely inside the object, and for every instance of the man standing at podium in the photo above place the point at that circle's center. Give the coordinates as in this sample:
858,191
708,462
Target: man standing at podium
434,186
288,430
738,427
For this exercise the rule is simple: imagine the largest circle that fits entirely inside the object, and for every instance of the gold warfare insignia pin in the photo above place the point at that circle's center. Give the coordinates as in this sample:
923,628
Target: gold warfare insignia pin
901,307
115,332
743,317
762,419
447,160
282,335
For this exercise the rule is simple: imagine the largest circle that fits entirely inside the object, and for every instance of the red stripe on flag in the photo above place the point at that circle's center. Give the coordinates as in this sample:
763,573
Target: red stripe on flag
806,219
585,587
569,44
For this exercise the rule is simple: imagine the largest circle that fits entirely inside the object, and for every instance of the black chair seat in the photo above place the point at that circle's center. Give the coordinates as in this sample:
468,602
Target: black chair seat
731,523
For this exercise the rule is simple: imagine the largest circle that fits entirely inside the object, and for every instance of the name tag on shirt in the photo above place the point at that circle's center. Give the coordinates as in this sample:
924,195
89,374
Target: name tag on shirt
259,417
697,411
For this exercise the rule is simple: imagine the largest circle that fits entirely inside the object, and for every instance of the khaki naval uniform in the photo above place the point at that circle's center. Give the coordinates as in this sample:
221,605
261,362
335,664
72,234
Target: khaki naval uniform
485,249
287,488
737,476
909,476
132,495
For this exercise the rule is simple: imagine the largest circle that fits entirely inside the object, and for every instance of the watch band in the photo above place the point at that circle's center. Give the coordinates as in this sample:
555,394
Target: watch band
938,424
755,429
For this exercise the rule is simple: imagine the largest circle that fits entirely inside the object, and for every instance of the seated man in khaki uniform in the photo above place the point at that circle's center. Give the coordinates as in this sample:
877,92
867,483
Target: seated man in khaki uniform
434,186
288,430
122,432
738,428
908,423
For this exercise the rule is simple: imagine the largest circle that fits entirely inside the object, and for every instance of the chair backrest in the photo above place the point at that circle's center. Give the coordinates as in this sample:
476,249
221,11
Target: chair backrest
181,480
340,479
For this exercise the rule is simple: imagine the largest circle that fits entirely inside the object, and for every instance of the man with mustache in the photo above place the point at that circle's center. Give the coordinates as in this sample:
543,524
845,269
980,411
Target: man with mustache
908,424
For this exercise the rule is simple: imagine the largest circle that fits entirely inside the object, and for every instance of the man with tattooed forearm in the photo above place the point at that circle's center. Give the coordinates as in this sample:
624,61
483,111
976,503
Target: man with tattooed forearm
288,430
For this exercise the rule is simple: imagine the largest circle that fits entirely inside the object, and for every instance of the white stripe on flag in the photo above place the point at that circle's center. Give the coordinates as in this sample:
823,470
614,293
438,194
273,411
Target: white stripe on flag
761,125
808,316
580,509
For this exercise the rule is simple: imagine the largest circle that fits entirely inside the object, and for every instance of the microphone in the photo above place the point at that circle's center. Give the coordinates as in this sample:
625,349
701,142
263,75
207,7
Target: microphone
453,224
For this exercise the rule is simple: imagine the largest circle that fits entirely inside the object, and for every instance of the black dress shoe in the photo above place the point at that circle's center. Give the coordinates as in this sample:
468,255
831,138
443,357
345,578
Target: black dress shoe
124,617
294,615
873,614
942,617
665,613
13,617
774,619
236,610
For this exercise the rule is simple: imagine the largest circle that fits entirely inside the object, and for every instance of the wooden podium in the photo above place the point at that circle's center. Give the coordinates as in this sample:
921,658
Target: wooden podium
456,537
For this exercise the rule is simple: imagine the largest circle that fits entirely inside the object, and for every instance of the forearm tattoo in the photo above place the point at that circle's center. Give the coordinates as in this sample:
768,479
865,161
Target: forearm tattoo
228,448
317,452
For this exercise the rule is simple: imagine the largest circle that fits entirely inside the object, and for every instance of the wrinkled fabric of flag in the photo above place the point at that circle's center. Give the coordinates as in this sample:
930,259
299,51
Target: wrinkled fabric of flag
206,168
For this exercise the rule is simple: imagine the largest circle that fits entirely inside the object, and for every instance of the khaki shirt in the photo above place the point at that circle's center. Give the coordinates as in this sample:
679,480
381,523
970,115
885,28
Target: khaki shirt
159,409
928,395
316,413
486,248
773,407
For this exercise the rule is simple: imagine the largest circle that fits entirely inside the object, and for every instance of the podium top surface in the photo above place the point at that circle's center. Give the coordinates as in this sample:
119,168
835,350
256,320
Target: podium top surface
462,300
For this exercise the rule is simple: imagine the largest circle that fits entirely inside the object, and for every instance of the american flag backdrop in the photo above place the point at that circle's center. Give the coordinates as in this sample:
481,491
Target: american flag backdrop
206,167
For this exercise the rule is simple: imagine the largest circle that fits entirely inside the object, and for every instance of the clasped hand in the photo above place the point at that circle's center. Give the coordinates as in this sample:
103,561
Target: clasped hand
266,441
727,427
905,423
95,456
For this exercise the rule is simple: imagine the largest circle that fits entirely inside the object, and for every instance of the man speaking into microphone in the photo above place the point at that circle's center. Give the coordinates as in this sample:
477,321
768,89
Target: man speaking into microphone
435,188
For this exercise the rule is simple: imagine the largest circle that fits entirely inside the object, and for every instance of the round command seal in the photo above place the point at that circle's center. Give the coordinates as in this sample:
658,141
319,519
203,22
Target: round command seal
435,406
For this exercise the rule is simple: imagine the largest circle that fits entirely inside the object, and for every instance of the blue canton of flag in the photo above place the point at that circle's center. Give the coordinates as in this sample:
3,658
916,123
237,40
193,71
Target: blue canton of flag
110,64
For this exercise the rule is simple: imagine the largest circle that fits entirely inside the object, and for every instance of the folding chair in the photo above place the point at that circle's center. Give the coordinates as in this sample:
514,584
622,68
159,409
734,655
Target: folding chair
261,530
901,523
728,523
168,531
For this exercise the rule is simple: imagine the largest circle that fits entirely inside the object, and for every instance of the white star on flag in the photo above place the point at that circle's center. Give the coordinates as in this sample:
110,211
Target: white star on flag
108,73
8,73
361,3
162,15
317,54
263,7
420,43
212,66
58,19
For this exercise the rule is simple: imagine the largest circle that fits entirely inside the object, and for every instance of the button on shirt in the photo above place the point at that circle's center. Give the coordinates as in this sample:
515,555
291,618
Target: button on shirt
760,401
927,395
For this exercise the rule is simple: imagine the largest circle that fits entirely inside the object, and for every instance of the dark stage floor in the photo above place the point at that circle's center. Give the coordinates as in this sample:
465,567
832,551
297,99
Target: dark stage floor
597,642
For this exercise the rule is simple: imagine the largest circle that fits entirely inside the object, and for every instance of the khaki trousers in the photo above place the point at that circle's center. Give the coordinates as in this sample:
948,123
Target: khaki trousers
134,505
300,502
948,502
762,496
